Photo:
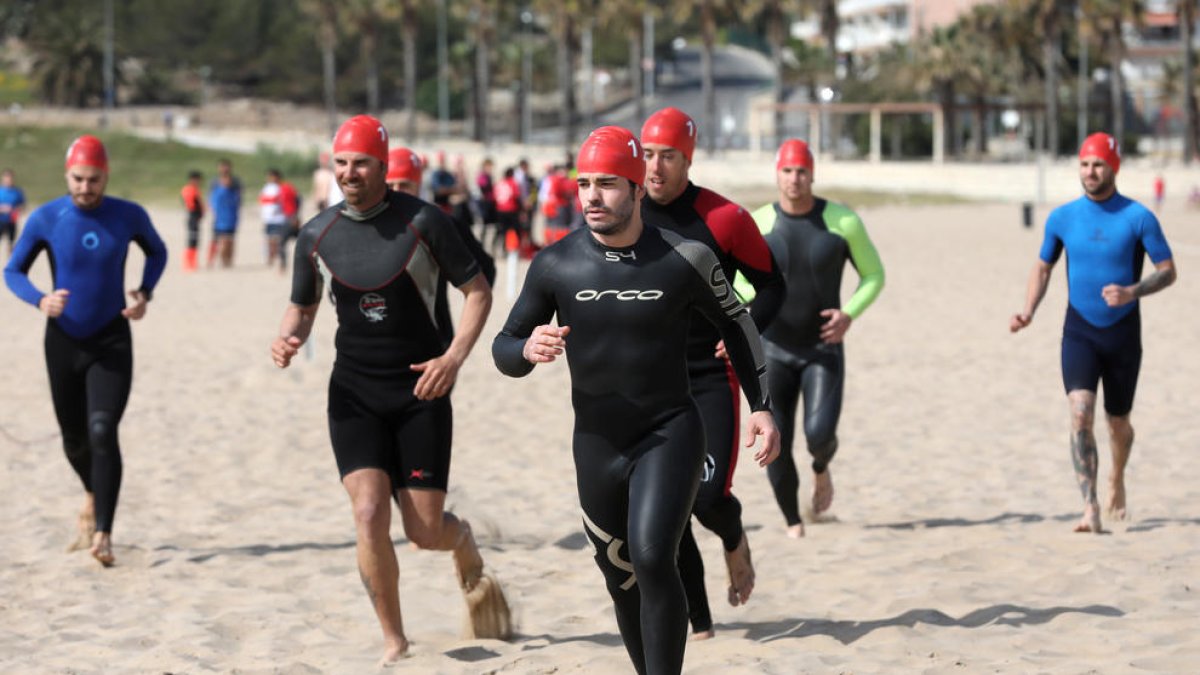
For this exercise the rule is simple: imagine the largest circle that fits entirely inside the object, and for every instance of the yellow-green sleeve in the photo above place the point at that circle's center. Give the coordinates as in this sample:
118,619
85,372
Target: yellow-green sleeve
843,221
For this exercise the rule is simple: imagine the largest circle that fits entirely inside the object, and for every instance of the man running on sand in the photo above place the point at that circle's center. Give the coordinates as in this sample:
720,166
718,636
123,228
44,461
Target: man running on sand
625,295
1105,235
669,137
89,347
389,411
812,239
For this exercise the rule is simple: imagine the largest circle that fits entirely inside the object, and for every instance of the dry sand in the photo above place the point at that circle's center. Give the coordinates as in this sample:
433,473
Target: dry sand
952,549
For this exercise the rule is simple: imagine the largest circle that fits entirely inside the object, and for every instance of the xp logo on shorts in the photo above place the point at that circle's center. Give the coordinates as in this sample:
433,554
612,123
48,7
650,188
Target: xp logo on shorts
373,306
90,241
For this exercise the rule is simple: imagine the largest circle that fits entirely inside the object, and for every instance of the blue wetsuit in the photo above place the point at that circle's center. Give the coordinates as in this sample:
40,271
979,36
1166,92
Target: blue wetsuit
1106,243
225,200
89,352
14,198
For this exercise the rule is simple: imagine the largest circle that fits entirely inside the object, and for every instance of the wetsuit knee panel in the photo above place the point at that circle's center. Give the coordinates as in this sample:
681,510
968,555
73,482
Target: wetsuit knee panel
102,430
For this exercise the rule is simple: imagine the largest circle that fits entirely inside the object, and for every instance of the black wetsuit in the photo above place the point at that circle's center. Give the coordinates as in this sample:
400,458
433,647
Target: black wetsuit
382,269
638,446
730,232
812,249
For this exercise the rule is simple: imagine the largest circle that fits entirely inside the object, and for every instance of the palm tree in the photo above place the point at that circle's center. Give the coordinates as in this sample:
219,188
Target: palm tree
325,14
1048,15
68,57
366,17
1191,116
709,11
1108,18
410,23
631,15
773,14
565,14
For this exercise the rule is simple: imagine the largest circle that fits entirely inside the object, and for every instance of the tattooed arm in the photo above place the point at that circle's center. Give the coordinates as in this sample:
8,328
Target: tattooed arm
1162,276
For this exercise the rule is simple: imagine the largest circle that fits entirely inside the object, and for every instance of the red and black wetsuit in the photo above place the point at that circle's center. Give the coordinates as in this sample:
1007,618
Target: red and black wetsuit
729,231
638,442
382,270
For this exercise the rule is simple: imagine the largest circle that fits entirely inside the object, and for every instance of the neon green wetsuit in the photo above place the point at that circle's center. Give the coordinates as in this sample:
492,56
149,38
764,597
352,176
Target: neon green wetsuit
811,250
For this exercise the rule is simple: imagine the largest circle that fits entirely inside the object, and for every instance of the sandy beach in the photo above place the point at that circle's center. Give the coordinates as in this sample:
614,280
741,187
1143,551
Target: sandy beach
951,550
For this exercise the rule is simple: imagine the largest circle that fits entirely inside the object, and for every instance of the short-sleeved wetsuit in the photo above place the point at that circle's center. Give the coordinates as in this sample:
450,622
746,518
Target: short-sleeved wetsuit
381,268
1106,243
728,230
812,249
638,443
89,351
225,202
14,198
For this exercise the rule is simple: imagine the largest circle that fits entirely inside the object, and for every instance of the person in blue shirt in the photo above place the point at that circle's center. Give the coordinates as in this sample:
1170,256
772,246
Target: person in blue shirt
225,200
1106,235
89,350
11,201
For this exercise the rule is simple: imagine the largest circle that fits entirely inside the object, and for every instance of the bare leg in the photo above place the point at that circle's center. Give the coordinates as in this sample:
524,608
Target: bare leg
796,531
822,495
1121,441
1085,457
86,524
428,526
741,573
370,492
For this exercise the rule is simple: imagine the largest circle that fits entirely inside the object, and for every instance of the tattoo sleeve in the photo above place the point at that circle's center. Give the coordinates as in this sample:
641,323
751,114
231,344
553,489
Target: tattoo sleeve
1154,283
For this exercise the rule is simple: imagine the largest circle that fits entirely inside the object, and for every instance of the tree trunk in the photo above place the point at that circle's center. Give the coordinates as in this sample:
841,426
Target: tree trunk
1118,85
329,70
410,75
1049,63
369,43
775,28
635,68
708,29
1191,116
482,85
566,87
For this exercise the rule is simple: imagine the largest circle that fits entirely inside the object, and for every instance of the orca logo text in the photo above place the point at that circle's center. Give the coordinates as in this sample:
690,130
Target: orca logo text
589,294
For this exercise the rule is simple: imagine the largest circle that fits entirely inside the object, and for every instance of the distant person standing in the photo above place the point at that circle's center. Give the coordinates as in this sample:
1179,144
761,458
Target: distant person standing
1106,236
1160,192
225,199
696,213
325,192
812,239
12,200
89,349
277,204
443,184
193,208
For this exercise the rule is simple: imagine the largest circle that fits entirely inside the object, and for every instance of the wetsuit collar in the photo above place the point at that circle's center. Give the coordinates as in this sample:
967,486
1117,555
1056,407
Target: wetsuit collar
370,213
817,205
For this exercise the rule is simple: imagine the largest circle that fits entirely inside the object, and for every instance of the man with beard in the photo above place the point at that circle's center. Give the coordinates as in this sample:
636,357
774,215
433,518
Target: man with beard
697,213
89,349
625,295
1105,235
381,253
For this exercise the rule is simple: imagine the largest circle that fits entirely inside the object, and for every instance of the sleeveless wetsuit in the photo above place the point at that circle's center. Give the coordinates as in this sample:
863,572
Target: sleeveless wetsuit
89,352
382,268
638,443
1106,243
812,249
727,229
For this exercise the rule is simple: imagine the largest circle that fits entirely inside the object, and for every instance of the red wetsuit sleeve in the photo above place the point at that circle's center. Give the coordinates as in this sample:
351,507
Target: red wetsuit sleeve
738,235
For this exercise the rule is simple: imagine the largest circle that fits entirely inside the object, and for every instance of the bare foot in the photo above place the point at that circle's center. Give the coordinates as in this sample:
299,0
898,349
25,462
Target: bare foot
1091,520
1116,500
394,653
822,495
741,573
702,635
468,563
796,531
102,548
87,528
488,616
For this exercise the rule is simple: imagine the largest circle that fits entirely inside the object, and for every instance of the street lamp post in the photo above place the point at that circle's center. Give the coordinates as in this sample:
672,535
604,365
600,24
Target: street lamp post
443,73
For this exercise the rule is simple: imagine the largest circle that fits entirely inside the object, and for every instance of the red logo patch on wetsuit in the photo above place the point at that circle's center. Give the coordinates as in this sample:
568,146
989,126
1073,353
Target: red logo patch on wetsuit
373,306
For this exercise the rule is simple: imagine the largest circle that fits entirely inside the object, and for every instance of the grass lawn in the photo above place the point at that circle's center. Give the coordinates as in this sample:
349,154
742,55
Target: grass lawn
141,170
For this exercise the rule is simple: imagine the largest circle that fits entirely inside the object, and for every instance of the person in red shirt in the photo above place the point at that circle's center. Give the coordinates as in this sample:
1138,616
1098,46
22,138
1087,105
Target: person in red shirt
193,206
508,207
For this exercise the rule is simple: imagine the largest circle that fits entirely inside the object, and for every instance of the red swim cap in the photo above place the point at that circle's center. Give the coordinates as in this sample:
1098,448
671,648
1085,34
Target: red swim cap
794,152
613,151
87,151
673,128
404,164
362,133
1103,146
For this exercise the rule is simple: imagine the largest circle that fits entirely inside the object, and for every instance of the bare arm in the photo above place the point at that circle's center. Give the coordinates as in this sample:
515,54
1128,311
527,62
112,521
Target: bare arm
294,329
1162,276
1039,279
439,374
